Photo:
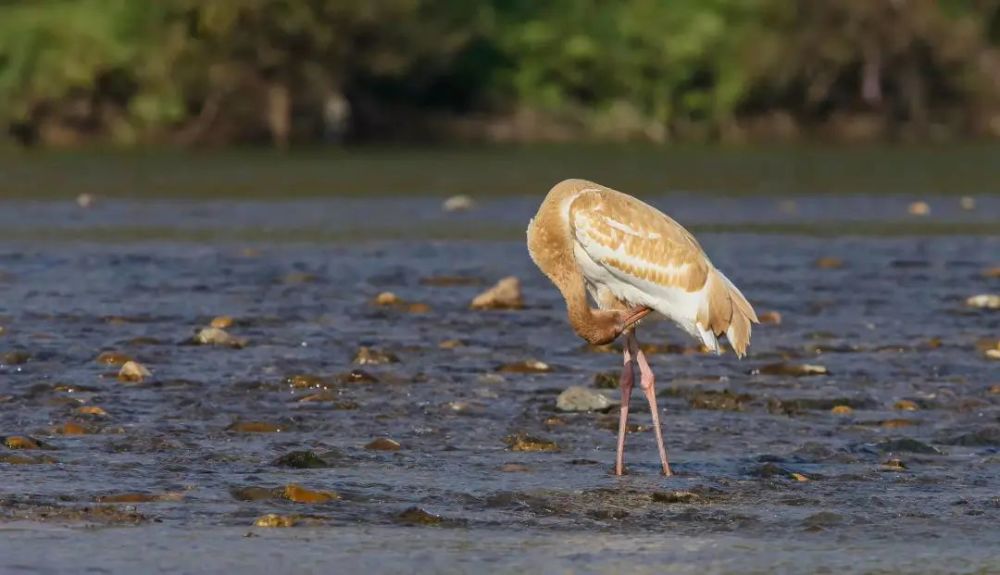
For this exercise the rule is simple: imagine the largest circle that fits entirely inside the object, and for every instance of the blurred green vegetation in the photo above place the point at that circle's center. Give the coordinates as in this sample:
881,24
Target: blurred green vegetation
134,72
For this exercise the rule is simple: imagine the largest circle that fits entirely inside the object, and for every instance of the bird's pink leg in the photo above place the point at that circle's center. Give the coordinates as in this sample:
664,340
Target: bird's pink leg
625,384
647,383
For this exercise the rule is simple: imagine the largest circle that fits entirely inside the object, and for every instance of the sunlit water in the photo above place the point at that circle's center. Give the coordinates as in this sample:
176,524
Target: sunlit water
140,277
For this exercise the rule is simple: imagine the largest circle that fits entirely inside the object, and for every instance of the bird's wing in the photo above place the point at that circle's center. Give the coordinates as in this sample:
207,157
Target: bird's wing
634,241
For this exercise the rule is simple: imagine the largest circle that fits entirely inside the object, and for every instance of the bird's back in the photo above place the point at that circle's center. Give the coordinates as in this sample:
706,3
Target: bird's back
644,257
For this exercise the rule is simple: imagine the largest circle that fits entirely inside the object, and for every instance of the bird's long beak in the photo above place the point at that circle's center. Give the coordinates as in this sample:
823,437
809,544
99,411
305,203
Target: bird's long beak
635,314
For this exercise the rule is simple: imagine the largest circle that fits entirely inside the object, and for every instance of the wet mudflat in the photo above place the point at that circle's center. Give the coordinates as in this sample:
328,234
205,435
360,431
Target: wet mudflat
862,433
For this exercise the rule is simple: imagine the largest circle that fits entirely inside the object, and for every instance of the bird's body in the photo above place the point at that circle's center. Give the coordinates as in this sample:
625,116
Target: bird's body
632,258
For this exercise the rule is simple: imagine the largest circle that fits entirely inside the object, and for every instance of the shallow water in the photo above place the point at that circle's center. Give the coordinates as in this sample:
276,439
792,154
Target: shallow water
140,277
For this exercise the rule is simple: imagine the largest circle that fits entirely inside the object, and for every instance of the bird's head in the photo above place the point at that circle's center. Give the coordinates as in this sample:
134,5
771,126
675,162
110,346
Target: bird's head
605,326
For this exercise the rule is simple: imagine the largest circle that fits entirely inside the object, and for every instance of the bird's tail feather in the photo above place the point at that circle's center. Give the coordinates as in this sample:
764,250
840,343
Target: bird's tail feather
726,311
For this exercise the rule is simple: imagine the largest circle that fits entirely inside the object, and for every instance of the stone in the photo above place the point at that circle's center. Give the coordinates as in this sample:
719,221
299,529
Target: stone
383,444
829,263
254,427
15,358
94,410
72,428
907,445
578,398
791,369
113,358
988,436
299,494
372,356
906,405
273,520
675,497
523,442
357,376
724,400
967,203
20,442
526,366
222,322
301,460
451,344
770,318
387,298
919,208
133,372
984,301
841,410
506,294
305,381
417,516
218,336
459,203
253,493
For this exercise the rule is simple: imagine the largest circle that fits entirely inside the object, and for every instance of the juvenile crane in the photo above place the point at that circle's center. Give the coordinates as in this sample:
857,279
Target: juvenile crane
633,260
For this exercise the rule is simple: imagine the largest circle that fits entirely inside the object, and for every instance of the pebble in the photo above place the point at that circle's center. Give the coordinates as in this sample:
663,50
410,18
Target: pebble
299,494
907,445
113,358
372,356
222,322
20,442
357,376
72,428
578,398
85,200
387,298
829,263
527,366
451,344
218,336
254,427
992,273
919,209
606,380
514,468
15,358
967,203
675,497
94,410
252,493
305,381
133,372
893,464
275,520
301,460
724,400
841,410
523,442
17,459
459,203
792,369
417,516
906,405
383,444
770,318
984,301
136,498
506,294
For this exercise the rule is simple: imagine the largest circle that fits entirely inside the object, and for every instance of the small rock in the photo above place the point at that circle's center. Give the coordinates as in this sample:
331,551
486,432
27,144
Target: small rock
967,203
606,380
770,318
85,200
724,400
222,322
372,356
218,336
418,308
895,423
459,203
984,301
451,344
522,442
907,445
128,498
893,464
506,294
383,444
387,298
20,442
527,366
514,468
799,477
992,273
299,494
450,281
829,263
417,516
275,520
357,376
994,389
295,278
919,209
675,497
253,493
791,369
906,405
113,358
986,437
254,427
305,381
133,372
841,410
577,398
94,410
301,460
72,428
17,459
15,358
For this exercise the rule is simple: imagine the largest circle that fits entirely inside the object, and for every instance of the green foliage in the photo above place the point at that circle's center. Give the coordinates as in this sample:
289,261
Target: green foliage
237,70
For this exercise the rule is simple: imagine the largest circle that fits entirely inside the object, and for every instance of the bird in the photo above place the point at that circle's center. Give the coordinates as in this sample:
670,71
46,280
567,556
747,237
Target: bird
632,260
